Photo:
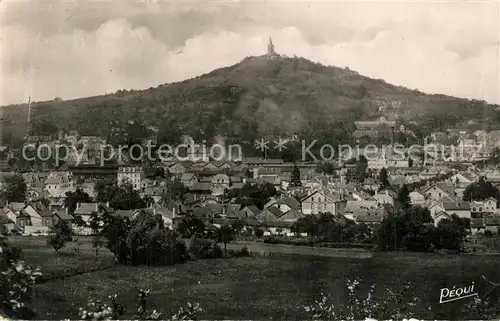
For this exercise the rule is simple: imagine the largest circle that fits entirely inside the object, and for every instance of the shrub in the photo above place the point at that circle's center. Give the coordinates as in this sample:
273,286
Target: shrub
97,310
61,235
244,252
16,282
389,307
204,249
151,243
143,241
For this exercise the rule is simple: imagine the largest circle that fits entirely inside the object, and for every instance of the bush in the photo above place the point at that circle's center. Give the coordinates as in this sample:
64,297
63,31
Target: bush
204,249
143,241
97,310
244,252
16,282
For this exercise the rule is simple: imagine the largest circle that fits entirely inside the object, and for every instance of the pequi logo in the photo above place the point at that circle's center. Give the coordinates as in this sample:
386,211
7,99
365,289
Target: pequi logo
448,295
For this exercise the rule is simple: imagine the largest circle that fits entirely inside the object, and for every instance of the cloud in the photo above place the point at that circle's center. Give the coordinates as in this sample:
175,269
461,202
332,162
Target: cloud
69,49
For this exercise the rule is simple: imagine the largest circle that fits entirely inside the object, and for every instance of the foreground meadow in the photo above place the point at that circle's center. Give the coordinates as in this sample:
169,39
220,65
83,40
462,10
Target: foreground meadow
252,288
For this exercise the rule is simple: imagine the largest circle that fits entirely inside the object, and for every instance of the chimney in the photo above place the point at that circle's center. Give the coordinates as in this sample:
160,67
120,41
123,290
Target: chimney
173,213
96,207
154,210
107,204
67,210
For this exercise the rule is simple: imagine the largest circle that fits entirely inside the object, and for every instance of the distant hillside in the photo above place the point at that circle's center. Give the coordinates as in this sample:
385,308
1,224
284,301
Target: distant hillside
254,98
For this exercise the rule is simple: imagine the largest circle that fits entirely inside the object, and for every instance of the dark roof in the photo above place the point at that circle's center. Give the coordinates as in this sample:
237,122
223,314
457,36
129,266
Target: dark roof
123,213
201,212
293,212
477,223
277,224
200,187
275,211
215,208
463,206
252,209
63,215
290,201
369,219
42,210
492,221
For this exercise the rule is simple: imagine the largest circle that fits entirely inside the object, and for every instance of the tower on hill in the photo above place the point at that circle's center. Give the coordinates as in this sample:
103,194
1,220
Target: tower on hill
270,47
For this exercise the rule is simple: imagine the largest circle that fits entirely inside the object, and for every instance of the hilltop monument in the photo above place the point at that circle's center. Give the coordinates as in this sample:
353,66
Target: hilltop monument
271,54
270,47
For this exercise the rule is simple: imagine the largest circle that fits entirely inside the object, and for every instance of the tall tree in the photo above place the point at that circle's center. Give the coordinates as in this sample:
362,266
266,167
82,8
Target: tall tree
73,198
360,169
226,234
383,179
295,177
175,191
403,198
61,234
15,189
480,191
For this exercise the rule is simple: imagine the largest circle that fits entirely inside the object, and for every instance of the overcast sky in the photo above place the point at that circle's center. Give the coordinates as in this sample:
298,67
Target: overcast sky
76,49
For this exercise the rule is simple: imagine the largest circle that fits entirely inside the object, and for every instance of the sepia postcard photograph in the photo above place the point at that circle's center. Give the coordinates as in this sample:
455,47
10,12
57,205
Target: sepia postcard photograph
249,160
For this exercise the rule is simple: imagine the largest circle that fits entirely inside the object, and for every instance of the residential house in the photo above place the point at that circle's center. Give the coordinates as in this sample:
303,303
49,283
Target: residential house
492,224
84,211
356,208
35,219
477,226
202,213
130,174
199,191
13,210
269,214
438,216
58,184
384,197
371,184
42,211
220,181
35,181
249,211
463,179
188,179
285,204
460,208
167,215
323,201
368,219
278,222
6,223
417,198
434,207
439,191
487,206
87,187
62,215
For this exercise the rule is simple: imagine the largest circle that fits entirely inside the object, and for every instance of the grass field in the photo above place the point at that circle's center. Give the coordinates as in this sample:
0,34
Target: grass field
260,287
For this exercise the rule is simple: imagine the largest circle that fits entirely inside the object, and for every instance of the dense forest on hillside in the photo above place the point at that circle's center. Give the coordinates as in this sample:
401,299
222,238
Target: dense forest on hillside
252,99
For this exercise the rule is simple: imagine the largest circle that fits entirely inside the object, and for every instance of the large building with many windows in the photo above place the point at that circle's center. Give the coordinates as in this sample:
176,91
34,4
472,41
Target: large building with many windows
130,174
